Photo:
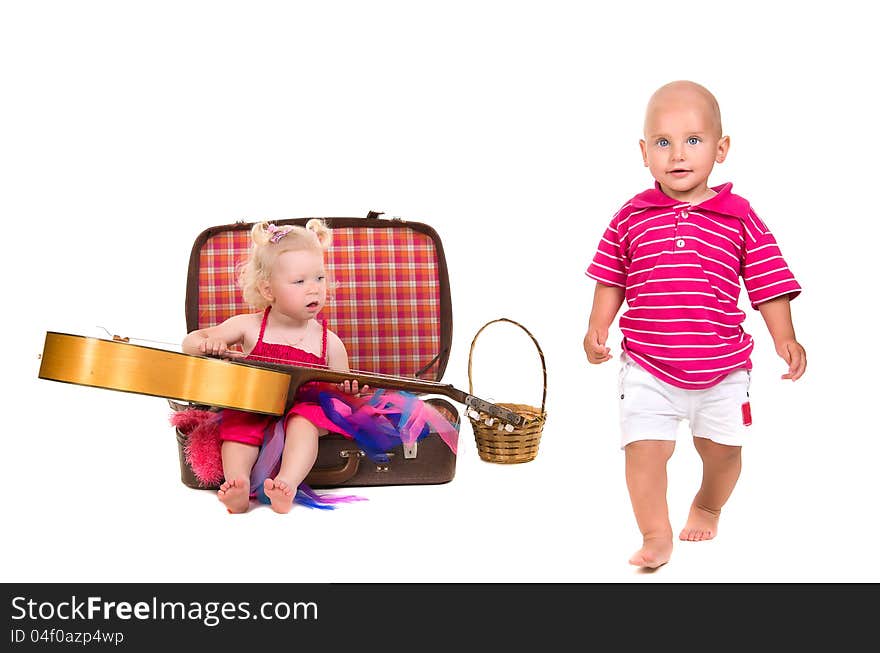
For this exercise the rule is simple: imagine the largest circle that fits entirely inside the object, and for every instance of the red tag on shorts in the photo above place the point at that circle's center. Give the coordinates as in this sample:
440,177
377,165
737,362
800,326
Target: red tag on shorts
747,414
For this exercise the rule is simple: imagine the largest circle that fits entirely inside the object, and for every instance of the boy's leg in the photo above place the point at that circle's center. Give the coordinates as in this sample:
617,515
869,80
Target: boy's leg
721,468
297,458
238,460
646,481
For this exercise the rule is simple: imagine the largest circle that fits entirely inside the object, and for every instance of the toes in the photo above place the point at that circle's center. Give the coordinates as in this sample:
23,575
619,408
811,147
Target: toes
696,535
277,486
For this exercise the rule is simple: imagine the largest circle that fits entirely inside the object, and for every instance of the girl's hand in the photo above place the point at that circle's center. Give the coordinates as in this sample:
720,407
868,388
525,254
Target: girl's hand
218,347
352,388
793,353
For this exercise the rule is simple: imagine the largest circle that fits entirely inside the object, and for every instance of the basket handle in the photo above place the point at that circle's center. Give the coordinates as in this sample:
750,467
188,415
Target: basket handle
540,353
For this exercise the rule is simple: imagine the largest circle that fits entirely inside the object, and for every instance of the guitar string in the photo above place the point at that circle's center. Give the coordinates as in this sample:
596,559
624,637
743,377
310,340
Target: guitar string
354,372
126,338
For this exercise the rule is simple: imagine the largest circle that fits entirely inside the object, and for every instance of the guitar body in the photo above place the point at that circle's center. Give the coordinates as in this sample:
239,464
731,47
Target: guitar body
145,370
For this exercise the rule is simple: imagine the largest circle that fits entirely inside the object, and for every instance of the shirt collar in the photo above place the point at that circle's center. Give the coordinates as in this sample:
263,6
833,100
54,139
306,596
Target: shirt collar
723,201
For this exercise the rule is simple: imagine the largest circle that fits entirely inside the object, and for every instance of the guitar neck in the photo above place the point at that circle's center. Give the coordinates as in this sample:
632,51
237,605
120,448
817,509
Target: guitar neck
300,375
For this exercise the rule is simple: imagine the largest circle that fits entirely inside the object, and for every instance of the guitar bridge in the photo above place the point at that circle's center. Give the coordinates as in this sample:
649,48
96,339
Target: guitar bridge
499,412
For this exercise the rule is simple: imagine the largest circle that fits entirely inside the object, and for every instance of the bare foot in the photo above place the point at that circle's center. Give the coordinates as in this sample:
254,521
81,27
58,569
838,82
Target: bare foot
654,553
280,494
235,495
702,524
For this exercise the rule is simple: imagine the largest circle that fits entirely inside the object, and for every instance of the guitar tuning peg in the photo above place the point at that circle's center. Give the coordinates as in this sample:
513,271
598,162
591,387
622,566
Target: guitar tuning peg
473,414
490,421
508,428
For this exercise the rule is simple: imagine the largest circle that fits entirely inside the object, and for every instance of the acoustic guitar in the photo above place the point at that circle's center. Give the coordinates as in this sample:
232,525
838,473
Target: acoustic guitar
254,386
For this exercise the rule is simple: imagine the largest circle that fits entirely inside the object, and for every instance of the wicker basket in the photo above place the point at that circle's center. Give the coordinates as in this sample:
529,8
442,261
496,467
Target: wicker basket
494,443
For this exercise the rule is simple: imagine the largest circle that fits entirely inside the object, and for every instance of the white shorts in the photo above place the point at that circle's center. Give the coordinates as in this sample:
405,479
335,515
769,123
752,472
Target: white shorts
651,409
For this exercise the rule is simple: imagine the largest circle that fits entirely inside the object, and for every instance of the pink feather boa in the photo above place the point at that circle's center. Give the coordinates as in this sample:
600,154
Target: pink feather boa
202,448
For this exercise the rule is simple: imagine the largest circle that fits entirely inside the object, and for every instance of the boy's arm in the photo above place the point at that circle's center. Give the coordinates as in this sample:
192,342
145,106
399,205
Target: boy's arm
607,300
777,315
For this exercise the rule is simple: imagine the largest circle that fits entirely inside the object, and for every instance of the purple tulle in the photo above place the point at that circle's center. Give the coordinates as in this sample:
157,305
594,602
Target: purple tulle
386,420
267,466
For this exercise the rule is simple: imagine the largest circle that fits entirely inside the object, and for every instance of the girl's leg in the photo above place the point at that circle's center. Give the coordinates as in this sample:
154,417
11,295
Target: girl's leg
297,458
646,481
238,460
721,467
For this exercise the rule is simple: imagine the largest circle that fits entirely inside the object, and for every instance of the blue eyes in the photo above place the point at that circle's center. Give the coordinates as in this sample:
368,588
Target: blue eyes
693,140
319,279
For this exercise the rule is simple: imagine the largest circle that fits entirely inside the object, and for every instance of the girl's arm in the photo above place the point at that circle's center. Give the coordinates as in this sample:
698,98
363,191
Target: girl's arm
337,356
216,340
337,359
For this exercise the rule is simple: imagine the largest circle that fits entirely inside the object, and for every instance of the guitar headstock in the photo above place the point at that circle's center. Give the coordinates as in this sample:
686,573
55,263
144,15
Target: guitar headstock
480,409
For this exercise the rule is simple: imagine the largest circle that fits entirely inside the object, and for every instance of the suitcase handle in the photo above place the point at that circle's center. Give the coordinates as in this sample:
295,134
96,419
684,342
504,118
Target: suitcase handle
336,474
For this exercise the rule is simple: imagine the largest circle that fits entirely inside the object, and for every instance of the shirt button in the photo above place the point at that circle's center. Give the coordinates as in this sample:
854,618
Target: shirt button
679,242
684,215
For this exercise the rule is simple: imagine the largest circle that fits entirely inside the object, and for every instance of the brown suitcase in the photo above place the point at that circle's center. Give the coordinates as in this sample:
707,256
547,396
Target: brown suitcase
390,305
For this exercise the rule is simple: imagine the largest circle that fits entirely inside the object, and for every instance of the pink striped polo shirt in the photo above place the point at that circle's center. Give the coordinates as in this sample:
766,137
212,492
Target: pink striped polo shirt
680,265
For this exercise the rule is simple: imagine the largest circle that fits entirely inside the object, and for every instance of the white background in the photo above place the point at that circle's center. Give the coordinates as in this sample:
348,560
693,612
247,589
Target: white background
513,129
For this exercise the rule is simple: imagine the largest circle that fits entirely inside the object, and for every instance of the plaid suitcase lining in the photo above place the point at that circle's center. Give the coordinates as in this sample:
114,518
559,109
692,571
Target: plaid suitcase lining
383,283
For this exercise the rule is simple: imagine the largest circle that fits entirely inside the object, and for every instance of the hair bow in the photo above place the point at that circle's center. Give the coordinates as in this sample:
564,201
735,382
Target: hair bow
278,232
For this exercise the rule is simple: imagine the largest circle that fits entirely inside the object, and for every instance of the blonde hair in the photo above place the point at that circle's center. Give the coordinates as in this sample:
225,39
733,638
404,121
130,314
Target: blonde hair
268,242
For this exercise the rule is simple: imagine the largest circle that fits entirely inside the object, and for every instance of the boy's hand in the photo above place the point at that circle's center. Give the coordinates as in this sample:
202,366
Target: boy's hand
794,354
351,388
594,345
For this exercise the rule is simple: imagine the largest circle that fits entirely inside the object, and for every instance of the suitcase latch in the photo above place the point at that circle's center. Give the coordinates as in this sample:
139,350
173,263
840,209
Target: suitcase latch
381,468
411,451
